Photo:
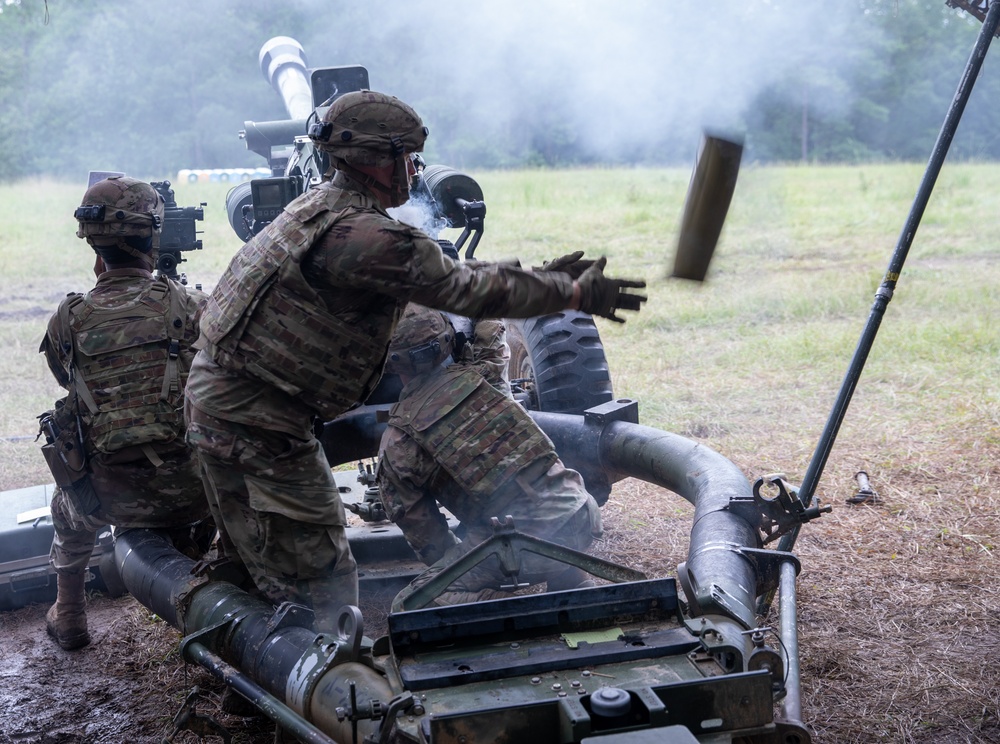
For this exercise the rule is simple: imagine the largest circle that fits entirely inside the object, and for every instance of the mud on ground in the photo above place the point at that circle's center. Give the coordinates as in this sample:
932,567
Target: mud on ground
897,611
126,686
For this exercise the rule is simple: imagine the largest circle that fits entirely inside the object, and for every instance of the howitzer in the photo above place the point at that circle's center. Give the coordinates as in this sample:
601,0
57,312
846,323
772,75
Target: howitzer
445,197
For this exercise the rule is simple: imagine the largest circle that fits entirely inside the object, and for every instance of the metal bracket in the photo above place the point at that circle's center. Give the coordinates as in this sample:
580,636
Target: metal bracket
622,409
208,637
507,544
764,657
722,639
475,223
397,705
778,514
290,613
768,565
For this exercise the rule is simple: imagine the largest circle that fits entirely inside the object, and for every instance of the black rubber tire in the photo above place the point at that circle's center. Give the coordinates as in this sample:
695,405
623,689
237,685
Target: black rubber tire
562,357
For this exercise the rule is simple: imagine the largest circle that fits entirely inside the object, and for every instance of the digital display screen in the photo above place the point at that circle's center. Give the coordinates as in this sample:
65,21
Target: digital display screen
270,195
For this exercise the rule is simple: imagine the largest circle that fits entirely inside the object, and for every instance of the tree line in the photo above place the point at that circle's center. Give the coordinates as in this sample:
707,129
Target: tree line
152,88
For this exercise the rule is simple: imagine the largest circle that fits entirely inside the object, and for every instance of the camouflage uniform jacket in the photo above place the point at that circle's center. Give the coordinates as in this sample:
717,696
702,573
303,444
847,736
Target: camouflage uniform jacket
358,274
453,438
123,351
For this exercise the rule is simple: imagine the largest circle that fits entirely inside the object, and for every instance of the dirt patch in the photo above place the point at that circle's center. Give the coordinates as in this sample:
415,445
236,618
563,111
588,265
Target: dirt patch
125,686
897,606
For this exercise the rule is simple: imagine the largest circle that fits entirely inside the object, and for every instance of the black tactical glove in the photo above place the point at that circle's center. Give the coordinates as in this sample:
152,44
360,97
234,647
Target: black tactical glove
601,296
570,264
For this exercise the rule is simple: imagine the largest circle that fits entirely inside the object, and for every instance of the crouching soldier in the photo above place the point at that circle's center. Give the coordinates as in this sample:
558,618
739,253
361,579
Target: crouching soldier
122,351
453,437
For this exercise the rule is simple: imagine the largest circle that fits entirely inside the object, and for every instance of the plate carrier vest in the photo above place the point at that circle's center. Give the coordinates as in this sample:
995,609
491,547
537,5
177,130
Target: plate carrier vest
124,367
264,319
480,437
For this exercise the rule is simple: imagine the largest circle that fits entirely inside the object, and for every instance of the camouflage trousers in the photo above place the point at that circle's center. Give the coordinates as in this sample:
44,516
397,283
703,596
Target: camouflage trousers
274,498
134,493
486,580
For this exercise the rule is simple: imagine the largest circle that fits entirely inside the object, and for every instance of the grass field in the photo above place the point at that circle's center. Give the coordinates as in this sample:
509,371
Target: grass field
898,602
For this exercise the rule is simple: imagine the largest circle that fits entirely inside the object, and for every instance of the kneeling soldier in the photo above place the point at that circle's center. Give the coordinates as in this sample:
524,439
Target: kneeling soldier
122,351
453,437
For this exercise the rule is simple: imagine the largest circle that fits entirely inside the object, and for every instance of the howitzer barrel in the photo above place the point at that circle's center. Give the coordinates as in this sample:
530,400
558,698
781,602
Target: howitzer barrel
283,63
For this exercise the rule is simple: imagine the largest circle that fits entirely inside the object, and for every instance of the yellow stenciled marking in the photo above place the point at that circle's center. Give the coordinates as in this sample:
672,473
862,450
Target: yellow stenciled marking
594,636
891,276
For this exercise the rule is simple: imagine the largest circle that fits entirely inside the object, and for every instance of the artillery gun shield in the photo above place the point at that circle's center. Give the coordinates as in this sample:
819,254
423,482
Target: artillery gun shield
712,184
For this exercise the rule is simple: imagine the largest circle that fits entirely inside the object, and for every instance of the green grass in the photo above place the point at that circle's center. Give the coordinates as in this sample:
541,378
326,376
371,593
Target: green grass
893,600
769,334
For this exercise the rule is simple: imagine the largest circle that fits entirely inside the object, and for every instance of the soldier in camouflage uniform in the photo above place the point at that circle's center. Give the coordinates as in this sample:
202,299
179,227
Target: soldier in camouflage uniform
122,351
297,331
456,439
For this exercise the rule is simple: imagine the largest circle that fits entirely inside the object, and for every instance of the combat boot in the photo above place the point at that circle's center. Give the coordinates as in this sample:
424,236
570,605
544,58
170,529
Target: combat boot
66,620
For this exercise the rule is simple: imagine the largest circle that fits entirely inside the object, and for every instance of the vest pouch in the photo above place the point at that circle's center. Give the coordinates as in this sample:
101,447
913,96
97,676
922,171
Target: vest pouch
123,363
78,488
111,337
114,431
310,353
480,437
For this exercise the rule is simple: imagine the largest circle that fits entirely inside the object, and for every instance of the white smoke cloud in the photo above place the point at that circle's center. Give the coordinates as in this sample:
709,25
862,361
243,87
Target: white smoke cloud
624,72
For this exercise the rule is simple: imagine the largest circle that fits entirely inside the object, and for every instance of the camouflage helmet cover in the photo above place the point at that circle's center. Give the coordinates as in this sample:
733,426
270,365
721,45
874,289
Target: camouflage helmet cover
368,128
423,339
119,207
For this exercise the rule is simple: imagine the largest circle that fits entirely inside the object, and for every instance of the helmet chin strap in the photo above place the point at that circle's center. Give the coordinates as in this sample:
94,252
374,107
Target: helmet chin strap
399,192
149,259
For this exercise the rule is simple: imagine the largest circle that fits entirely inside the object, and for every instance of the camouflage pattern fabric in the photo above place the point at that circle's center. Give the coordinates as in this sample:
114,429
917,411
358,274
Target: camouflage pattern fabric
366,127
479,437
134,495
130,208
133,491
131,349
545,498
422,341
266,321
361,271
489,354
275,499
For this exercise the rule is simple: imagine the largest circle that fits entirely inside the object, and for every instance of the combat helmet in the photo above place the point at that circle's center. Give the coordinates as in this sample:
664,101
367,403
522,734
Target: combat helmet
367,128
423,339
119,208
